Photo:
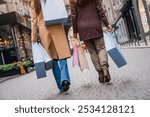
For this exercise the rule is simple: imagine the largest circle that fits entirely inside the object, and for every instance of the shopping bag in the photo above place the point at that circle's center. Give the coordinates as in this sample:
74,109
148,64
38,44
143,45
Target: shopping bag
39,61
82,59
75,61
54,12
47,58
113,50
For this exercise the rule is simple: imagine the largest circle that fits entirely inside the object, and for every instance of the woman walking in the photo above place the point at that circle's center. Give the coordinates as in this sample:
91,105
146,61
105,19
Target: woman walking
55,43
87,19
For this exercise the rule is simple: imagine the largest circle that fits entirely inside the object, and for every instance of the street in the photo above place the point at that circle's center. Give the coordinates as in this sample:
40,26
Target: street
131,82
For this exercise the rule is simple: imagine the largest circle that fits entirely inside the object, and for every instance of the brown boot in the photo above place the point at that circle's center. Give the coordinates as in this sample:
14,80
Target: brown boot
106,75
101,76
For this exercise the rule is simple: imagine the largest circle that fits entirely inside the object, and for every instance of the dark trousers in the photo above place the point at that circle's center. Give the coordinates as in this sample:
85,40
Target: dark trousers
98,53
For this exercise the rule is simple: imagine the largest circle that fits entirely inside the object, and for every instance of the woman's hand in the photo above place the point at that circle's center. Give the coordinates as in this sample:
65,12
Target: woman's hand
75,36
34,40
109,28
76,39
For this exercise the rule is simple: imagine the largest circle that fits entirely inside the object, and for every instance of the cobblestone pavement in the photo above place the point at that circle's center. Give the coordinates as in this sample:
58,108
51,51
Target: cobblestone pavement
129,82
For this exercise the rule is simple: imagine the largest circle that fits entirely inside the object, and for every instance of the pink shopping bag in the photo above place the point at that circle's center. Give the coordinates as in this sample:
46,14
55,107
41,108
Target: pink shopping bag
75,61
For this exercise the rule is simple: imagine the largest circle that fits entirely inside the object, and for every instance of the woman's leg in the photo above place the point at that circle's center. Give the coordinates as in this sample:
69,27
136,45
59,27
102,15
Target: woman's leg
103,57
57,73
94,56
64,70
95,59
65,78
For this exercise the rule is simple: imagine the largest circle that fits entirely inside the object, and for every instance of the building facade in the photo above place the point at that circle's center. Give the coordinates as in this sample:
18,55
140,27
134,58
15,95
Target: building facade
15,41
130,19
22,7
15,30
113,12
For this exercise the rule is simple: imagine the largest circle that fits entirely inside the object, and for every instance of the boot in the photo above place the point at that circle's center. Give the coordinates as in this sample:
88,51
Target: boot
106,75
101,76
65,86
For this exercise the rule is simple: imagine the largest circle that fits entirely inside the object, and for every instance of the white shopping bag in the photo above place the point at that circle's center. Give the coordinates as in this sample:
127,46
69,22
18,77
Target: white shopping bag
39,61
54,12
113,50
47,58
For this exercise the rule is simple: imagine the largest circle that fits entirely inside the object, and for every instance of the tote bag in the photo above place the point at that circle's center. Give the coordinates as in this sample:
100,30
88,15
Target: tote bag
39,61
113,50
82,59
47,58
75,60
54,12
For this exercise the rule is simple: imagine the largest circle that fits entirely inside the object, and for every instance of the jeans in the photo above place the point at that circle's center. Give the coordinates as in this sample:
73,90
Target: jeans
60,71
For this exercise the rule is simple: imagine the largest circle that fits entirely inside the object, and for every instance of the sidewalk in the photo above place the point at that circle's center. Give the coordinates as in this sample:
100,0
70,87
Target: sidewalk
130,82
3,79
9,77
142,45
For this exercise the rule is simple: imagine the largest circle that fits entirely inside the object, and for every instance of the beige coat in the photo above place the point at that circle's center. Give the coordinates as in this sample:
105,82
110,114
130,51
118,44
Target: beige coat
52,37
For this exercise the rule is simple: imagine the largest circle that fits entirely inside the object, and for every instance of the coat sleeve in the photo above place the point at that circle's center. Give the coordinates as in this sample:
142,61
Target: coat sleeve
101,12
34,20
74,16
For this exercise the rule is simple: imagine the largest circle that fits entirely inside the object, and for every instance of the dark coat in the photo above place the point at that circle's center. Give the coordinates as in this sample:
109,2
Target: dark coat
87,20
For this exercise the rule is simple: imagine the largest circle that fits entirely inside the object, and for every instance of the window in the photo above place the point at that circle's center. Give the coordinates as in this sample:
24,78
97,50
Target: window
6,38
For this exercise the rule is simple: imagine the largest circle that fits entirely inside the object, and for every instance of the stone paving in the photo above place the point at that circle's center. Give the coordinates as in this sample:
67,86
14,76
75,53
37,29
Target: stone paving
131,82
